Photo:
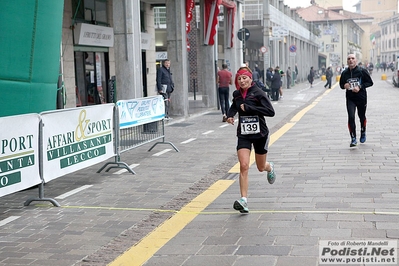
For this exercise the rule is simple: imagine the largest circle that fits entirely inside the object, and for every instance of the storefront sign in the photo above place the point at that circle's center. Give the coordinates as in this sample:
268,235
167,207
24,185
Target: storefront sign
140,111
93,35
145,41
19,149
159,56
83,138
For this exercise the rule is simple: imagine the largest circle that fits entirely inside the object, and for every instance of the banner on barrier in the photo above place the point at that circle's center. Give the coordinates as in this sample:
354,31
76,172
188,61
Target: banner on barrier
140,111
76,138
19,153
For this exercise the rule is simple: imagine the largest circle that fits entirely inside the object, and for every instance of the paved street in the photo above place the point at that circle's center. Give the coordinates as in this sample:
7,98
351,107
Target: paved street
324,190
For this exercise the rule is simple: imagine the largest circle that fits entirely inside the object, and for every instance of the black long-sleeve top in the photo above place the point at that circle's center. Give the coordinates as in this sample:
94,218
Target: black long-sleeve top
256,103
356,76
164,77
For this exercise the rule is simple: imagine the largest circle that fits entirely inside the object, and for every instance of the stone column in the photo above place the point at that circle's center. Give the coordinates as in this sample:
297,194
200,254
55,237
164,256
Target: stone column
177,53
207,72
126,18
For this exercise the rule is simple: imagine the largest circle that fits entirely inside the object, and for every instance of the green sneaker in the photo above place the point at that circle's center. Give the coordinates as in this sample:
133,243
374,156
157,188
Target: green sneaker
271,176
241,206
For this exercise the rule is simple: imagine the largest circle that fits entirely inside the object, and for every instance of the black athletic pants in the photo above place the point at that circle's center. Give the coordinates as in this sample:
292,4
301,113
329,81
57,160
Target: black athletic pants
361,105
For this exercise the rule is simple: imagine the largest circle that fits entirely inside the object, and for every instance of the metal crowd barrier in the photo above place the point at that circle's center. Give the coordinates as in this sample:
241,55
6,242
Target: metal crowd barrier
37,148
140,121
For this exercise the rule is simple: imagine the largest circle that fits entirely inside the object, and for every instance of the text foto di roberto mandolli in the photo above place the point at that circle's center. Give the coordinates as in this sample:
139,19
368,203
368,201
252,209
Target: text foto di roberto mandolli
381,252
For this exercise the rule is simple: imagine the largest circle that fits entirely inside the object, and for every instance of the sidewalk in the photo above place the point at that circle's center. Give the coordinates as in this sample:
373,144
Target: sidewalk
324,190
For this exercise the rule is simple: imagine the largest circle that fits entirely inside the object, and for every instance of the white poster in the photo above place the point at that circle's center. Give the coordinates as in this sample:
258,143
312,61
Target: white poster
76,138
19,153
140,111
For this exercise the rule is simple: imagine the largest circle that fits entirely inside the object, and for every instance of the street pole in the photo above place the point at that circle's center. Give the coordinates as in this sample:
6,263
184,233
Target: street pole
242,33
266,37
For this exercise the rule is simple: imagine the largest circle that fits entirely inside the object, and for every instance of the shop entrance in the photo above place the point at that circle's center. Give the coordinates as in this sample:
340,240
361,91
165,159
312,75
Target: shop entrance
91,74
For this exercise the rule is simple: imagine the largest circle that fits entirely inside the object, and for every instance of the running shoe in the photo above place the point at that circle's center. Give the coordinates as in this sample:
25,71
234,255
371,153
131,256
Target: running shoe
241,206
363,137
271,176
353,142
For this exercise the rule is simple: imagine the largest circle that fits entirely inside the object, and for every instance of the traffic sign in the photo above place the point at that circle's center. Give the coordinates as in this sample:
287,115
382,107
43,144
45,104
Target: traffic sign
263,49
245,32
292,48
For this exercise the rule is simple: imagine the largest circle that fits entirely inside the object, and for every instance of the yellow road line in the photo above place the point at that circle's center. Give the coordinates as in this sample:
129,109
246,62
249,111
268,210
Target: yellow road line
149,245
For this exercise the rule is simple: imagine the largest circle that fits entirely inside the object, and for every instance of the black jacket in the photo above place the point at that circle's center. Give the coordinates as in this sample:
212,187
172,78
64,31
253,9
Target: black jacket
276,80
256,103
164,77
355,76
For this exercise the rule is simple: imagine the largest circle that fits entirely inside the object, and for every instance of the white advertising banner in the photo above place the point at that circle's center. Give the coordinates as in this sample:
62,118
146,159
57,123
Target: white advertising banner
19,153
140,111
76,138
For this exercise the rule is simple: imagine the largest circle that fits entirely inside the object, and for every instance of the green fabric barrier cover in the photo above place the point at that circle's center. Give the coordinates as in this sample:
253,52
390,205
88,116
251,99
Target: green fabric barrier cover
24,98
29,55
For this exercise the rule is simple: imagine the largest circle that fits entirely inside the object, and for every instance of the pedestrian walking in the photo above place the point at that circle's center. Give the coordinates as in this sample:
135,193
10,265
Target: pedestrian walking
224,79
355,80
252,105
311,77
288,73
329,75
165,85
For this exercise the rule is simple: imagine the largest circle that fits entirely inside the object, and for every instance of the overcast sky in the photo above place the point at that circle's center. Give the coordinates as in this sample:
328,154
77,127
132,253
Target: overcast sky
305,3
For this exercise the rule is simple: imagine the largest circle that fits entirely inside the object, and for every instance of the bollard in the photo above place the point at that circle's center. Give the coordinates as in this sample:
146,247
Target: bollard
337,78
383,77
323,77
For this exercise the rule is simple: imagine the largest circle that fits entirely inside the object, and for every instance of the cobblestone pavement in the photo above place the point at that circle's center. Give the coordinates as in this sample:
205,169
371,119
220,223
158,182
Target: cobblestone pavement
324,190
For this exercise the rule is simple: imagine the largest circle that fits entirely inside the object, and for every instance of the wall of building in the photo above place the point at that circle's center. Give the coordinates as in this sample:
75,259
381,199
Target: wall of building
67,56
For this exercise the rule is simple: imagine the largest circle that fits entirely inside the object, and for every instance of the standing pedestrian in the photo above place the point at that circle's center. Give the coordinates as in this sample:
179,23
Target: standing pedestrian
329,75
224,79
260,72
269,75
282,74
355,80
255,74
165,85
311,77
296,72
252,105
288,73
276,84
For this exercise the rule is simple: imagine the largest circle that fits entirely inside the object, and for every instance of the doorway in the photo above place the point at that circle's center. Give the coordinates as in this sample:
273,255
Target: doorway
91,74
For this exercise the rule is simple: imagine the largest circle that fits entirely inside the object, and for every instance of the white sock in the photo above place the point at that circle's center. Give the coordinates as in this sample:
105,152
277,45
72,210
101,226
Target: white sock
245,199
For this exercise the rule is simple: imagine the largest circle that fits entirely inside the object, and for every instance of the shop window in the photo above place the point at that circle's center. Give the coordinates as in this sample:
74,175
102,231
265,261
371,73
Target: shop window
90,11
